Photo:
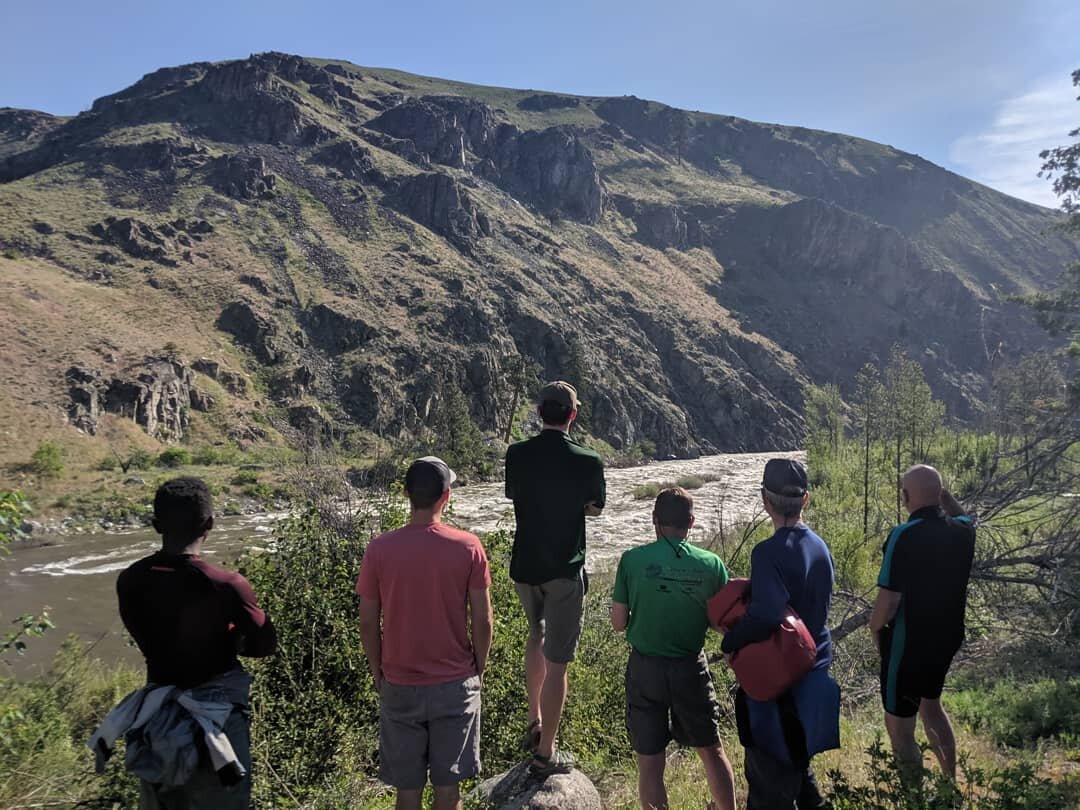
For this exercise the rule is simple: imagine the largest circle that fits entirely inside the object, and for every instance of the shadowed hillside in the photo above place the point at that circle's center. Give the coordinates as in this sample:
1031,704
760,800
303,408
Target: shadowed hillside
276,246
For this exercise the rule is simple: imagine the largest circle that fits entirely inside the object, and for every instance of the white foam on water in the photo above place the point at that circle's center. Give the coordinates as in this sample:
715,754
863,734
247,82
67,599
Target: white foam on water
115,560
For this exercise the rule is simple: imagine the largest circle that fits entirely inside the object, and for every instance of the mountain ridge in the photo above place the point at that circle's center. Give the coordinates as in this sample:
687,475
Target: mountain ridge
354,242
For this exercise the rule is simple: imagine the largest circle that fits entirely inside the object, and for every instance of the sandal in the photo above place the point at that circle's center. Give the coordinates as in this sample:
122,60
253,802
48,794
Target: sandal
531,738
559,762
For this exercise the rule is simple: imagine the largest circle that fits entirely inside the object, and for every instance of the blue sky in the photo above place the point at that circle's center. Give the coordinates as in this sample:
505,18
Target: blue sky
979,86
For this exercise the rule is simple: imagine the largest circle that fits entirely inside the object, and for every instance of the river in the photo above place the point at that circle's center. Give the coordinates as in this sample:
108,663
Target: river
74,575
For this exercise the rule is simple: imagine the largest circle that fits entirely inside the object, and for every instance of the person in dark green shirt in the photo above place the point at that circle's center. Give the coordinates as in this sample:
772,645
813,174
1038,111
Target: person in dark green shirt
661,590
554,483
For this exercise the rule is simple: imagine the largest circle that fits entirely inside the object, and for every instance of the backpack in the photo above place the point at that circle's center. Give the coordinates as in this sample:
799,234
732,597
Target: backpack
765,669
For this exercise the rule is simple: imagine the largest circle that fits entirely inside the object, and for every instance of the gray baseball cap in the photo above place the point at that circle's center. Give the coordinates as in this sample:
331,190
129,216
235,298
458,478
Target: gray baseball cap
430,474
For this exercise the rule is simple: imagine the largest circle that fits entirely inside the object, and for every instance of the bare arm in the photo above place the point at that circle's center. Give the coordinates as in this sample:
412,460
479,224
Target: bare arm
620,616
885,607
481,626
371,636
951,506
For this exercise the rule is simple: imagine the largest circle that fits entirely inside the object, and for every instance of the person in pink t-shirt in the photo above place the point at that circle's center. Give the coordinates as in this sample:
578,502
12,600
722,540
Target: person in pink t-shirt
427,584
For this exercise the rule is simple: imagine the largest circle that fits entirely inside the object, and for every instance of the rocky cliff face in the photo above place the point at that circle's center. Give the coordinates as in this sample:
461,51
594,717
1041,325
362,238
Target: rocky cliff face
351,243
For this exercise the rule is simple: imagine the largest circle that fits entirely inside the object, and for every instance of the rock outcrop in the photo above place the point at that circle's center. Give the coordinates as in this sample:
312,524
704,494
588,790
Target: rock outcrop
552,169
660,225
253,330
232,381
438,201
517,789
155,394
160,243
244,177
351,159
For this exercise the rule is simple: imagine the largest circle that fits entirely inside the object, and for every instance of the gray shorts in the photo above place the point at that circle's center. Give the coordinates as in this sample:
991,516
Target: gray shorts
429,728
555,609
670,698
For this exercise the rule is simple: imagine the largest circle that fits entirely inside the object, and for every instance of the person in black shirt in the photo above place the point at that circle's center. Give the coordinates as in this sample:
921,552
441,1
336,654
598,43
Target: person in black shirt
554,483
918,617
190,620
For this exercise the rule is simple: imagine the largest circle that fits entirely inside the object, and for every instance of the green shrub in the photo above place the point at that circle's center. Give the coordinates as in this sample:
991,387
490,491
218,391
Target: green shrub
207,456
314,705
690,481
1015,787
1021,714
107,464
260,492
44,725
13,509
12,253
48,459
141,460
244,477
174,457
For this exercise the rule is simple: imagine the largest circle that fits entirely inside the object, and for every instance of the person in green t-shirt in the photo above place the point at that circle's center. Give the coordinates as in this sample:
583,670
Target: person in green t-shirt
659,600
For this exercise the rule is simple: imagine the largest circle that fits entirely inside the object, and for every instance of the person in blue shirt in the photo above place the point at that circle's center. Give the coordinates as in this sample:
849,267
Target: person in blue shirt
793,567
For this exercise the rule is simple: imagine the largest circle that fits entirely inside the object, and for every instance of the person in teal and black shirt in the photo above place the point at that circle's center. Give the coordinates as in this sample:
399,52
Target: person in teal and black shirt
659,600
918,618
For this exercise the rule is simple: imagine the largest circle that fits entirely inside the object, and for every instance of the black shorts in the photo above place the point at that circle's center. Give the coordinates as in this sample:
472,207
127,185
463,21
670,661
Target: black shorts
908,675
670,698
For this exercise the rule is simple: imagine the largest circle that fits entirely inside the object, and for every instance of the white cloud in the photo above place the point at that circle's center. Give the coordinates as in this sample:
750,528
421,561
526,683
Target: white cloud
1005,155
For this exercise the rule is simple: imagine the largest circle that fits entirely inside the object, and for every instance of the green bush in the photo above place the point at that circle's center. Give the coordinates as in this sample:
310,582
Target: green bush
173,457
44,725
141,460
314,705
12,253
107,464
244,477
260,492
1021,714
210,455
1015,787
48,459
13,509
690,481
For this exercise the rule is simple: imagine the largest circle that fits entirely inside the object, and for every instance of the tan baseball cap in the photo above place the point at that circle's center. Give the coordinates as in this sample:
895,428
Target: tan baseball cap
560,392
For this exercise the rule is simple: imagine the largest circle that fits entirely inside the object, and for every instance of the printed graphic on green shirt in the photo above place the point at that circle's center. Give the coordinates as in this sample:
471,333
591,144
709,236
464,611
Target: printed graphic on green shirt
666,585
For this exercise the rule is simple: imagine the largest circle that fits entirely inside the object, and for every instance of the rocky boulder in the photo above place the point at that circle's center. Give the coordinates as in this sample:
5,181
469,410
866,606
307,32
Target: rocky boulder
232,381
517,789
141,240
155,393
334,331
443,128
351,159
244,177
439,202
251,329
135,237
309,419
552,169
660,225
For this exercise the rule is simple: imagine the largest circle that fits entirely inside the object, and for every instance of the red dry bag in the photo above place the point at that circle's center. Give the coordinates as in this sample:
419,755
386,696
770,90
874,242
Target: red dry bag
765,669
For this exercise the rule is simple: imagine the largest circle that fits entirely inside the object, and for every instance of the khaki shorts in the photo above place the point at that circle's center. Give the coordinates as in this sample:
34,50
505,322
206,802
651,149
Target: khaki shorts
429,728
555,609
